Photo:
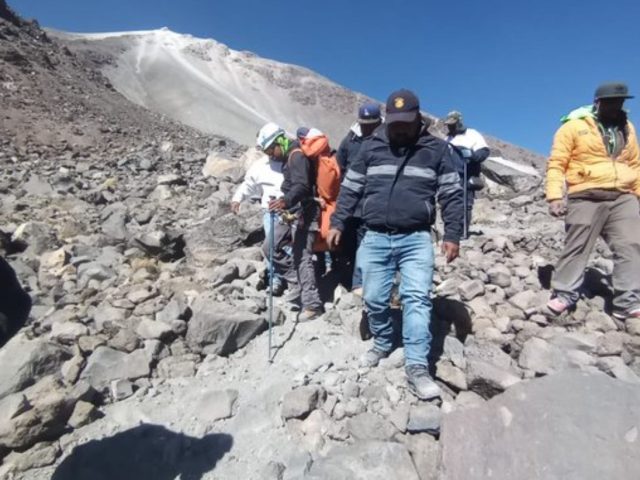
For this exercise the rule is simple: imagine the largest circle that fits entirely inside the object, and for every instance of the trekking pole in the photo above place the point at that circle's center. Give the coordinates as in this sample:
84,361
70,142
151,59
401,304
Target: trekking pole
272,217
465,180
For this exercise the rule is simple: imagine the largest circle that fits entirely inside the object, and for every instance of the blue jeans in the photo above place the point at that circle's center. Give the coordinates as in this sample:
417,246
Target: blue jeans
380,256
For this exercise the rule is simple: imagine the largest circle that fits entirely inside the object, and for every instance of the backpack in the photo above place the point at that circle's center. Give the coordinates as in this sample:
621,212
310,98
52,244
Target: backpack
317,149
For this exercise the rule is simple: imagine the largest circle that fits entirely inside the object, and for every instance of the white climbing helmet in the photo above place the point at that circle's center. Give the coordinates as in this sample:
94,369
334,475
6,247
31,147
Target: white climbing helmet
267,135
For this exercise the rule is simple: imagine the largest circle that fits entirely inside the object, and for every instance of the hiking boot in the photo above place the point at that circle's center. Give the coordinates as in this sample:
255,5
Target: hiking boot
292,300
420,382
372,357
558,305
626,315
307,315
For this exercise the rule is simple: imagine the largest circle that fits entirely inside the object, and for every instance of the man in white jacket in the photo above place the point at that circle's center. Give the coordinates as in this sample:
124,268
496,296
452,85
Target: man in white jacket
472,150
262,181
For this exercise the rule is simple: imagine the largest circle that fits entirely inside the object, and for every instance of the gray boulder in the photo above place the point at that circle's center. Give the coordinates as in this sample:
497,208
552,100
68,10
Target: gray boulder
571,425
516,176
302,401
105,365
370,460
23,362
221,328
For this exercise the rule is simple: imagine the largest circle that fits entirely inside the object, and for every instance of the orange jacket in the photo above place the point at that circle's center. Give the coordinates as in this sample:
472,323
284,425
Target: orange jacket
580,160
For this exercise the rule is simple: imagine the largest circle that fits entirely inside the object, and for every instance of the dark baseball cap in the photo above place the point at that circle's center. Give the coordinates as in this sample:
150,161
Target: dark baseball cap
612,90
402,106
302,132
369,113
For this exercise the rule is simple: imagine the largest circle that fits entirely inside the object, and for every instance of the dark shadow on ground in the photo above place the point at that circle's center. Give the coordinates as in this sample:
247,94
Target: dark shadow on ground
146,452
15,303
447,312
598,284
545,272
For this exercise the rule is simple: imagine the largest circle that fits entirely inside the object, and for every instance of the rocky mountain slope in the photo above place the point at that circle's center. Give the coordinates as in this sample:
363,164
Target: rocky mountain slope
207,85
146,352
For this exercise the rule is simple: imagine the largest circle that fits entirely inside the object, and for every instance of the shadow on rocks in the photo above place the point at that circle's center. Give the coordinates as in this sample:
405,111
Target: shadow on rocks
598,284
447,312
545,272
15,303
146,452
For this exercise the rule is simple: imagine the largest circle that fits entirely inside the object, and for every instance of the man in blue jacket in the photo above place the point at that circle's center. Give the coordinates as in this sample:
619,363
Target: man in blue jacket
369,118
397,174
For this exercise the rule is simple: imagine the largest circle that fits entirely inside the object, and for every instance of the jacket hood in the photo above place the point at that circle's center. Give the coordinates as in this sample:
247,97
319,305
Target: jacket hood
579,113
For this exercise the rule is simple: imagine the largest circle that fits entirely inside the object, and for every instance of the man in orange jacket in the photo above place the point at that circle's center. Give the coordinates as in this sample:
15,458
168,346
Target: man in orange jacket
595,157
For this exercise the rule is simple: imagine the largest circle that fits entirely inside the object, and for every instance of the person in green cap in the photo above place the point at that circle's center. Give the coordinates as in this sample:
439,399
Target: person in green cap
472,149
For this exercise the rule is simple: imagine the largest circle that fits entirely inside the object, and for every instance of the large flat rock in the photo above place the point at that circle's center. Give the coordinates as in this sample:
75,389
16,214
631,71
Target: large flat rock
568,426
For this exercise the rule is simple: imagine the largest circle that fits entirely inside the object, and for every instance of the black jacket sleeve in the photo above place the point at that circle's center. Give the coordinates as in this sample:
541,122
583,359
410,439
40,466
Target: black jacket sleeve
343,155
351,190
450,197
480,155
301,181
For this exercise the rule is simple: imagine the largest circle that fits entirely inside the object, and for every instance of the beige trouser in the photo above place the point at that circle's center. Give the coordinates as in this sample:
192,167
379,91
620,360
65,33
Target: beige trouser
618,223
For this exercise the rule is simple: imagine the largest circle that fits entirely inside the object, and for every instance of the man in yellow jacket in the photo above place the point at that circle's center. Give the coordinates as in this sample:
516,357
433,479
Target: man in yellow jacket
595,161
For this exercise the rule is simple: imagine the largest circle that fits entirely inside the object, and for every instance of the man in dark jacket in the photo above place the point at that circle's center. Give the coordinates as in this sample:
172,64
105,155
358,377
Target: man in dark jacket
298,188
398,173
369,118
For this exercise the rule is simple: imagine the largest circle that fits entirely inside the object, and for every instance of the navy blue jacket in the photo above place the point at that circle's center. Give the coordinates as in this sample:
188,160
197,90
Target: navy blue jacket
398,186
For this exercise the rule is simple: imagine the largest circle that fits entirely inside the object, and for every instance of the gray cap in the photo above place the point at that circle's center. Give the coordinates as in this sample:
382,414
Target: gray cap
612,90
453,117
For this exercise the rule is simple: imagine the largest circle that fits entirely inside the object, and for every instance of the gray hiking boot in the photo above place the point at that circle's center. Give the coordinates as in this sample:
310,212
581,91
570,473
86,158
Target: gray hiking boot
372,357
420,382
292,299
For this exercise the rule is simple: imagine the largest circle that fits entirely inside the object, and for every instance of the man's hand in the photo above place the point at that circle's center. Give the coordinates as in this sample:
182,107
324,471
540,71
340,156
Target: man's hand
277,205
333,238
466,153
557,208
451,251
321,201
235,207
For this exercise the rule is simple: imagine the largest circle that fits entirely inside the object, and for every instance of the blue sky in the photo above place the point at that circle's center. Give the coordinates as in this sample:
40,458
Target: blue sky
512,67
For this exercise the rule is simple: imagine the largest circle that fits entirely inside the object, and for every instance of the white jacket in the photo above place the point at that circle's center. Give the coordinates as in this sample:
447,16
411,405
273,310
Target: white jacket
471,139
262,180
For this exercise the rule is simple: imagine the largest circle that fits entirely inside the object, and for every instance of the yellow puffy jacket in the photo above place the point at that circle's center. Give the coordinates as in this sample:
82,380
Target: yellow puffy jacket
579,158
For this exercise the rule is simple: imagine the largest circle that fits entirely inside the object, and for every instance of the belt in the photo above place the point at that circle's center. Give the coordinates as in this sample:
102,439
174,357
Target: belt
396,230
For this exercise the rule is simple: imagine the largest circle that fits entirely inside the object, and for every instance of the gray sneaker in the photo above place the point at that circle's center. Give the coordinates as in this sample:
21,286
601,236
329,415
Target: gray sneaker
372,357
420,382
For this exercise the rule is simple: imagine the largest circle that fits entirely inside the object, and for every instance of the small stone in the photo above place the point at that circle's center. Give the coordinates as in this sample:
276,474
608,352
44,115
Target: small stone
471,289
633,326
424,418
368,426
121,389
83,414
151,329
216,405
301,401
68,332
500,276
451,375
